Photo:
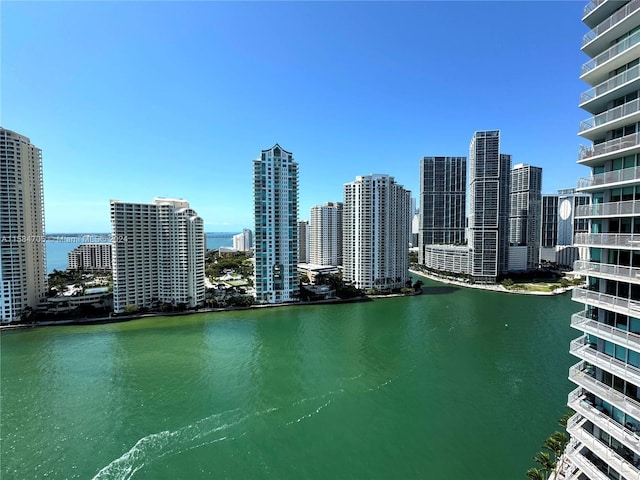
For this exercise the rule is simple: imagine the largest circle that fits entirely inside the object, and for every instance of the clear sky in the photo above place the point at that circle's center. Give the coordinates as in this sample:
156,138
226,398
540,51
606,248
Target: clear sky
133,100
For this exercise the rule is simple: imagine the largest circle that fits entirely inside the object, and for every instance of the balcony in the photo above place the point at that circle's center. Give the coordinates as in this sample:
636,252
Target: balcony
584,351
596,154
595,99
581,322
573,454
579,402
604,270
606,301
621,115
608,240
611,209
575,427
610,28
596,182
614,57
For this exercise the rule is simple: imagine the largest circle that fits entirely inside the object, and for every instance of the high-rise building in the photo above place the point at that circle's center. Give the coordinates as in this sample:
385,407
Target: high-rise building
303,241
605,443
275,188
443,194
157,254
90,257
23,272
243,242
489,207
525,212
549,221
376,228
325,234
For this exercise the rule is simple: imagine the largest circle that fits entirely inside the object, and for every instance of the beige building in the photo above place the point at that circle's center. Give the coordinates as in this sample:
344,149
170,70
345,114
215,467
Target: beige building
157,254
23,274
325,234
90,257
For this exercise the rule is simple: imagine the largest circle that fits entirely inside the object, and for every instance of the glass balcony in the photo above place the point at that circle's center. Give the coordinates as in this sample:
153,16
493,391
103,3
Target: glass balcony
604,270
576,428
584,351
608,54
582,405
612,209
606,301
617,240
614,82
607,178
610,115
573,453
582,322
611,21
591,6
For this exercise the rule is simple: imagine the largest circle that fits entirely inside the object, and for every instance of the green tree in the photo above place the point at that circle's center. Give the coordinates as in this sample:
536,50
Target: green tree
535,474
544,460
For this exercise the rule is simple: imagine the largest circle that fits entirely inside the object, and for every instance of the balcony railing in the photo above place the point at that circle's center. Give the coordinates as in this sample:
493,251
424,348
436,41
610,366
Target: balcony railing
614,176
610,84
578,401
618,240
606,453
608,54
612,365
591,6
610,115
583,463
611,209
609,22
605,270
628,141
585,324
606,301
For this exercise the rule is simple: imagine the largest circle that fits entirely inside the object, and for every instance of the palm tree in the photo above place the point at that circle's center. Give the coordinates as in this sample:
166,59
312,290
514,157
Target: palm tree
544,460
535,474
554,446
562,439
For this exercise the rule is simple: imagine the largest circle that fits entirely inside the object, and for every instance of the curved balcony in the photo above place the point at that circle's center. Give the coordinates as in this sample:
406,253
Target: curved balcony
573,453
582,322
606,301
611,209
579,402
607,30
596,182
614,57
594,98
610,119
608,240
605,270
584,351
575,429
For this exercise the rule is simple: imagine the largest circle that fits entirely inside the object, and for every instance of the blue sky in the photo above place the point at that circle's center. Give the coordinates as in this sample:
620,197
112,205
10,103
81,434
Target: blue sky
133,100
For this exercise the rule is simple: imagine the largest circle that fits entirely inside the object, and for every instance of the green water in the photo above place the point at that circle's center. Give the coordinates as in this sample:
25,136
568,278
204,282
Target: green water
429,387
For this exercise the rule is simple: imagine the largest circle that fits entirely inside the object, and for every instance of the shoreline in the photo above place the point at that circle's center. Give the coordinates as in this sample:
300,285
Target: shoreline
492,288
367,298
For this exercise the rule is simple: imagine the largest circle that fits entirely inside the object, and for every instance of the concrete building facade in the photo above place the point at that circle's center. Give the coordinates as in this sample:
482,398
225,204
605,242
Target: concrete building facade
525,203
157,254
376,229
243,242
325,234
604,431
23,272
90,257
489,207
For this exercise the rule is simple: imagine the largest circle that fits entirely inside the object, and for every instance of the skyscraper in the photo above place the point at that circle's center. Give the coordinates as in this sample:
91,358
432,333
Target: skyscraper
443,194
303,241
605,442
23,273
376,228
325,234
489,207
157,254
243,242
525,211
275,188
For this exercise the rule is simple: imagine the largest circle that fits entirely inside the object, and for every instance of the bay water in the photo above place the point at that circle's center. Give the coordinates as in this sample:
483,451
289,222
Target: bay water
427,387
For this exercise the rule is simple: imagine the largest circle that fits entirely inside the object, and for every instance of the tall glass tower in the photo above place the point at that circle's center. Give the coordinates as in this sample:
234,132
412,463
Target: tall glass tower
275,189
605,443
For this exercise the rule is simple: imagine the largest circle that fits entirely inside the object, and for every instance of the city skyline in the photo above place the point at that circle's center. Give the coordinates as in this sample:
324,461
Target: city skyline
162,109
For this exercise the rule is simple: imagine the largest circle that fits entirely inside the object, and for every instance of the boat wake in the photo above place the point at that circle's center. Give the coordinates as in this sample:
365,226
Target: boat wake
213,429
